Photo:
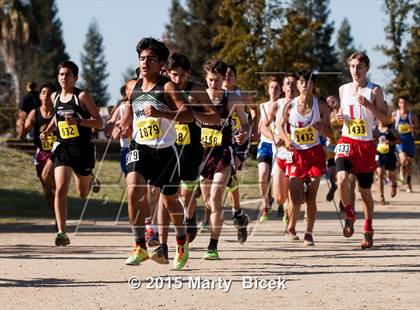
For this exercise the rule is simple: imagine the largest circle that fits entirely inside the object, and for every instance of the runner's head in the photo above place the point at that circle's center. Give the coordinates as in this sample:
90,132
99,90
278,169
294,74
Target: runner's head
45,93
305,82
359,66
332,102
230,78
274,88
178,68
68,73
289,85
215,72
403,102
152,56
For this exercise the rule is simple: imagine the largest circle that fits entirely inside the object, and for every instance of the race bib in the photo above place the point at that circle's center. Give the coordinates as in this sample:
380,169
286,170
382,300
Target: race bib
404,128
289,157
383,148
47,145
148,129
236,121
305,135
212,137
342,149
357,128
132,156
182,134
67,131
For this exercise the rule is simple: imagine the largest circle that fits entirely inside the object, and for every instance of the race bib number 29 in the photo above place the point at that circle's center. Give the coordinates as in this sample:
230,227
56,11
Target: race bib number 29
342,149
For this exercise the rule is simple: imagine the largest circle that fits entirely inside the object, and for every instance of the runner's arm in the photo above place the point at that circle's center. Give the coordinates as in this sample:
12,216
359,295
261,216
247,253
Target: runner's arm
415,124
377,106
267,117
282,125
50,128
87,103
29,122
208,112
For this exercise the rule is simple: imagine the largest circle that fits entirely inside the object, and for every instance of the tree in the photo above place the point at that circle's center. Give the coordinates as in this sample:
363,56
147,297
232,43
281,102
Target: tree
18,37
51,50
412,62
345,49
190,31
94,72
397,11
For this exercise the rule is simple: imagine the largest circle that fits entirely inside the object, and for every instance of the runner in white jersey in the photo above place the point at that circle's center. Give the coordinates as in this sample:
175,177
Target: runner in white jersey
280,185
305,164
155,104
361,103
265,147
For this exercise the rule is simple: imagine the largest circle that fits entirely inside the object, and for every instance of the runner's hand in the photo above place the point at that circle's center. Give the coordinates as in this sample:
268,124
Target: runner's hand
150,111
70,120
241,137
116,133
340,116
363,101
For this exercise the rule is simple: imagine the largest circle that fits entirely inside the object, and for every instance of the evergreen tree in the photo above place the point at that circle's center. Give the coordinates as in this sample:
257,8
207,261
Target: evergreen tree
412,62
396,29
94,72
345,49
51,50
190,31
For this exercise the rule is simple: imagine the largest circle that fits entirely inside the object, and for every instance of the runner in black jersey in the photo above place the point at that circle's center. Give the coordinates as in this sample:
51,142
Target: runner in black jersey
38,119
155,105
219,162
75,114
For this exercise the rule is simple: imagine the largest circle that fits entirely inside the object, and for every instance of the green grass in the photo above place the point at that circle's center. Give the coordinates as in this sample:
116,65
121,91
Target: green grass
21,196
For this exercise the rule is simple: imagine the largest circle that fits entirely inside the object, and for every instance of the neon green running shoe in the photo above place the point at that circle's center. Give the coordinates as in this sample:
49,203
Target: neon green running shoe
139,255
211,254
264,218
61,239
181,256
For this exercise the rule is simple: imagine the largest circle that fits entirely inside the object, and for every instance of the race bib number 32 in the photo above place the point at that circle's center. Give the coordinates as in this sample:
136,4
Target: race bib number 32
342,149
357,127
67,131
148,129
212,137
304,135
48,144
182,134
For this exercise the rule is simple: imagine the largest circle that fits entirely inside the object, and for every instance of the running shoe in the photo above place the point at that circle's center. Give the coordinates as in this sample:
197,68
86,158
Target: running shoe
191,228
181,256
394,190
285,218
330,194
308,240
211,254
240,221
204,228
341,205
61,239
160,254
367,241
348,229
264,216
409,189
139,255
154,241
291,235
96,185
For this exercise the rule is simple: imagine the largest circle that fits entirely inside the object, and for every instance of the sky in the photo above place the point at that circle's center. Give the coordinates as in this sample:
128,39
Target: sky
123,23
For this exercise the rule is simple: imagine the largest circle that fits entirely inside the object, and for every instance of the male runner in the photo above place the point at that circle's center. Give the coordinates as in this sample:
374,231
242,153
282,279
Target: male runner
188,140
406,124
219,161
280,185
361,103
38,119
75,114
155,104
265,147
305,163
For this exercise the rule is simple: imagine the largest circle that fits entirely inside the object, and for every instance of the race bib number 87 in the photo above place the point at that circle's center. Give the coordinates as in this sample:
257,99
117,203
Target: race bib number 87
67,131
212,137
342,149
148,129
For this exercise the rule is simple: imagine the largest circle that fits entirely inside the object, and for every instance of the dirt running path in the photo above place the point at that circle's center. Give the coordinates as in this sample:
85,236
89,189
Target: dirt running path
90,273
